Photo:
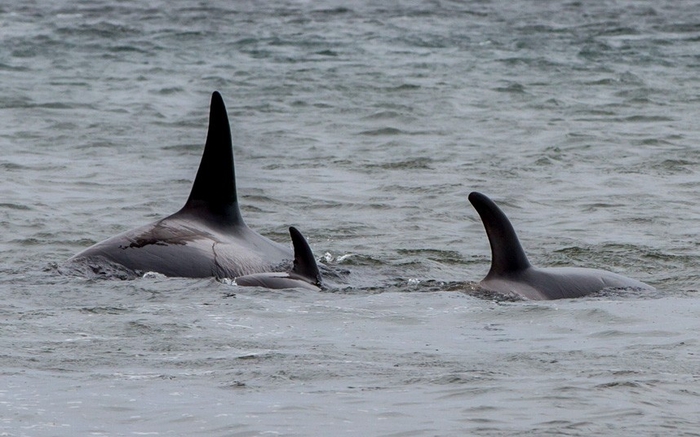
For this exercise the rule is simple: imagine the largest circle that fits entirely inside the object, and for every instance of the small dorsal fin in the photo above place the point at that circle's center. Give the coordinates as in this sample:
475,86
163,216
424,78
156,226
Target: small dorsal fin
304,262
214,188
507,255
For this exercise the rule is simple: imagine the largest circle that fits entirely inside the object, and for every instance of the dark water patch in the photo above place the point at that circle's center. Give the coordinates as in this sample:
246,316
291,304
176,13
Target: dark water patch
403,87
629,78
643,119
340,10
260,356
655,142
594,206
122,48
39,45
602,253
690,39
409,164
550,104
144,327
185,149
545,161
15,206
384,115
327,52
170,91
612,31
601,114
194,121
103,29
669,257
421,285
514,88
638,95
105,310
540,28
599,82
536,62
619,384
595,51
301,165
385,131
65,126
40,240
447,257
13,68
35,314
676,166
62,105
680,27
12,166
394,106
431,42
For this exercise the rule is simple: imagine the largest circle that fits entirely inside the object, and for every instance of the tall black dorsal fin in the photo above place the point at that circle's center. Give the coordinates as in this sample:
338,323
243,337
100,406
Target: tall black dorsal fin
304,262
507,255
214,188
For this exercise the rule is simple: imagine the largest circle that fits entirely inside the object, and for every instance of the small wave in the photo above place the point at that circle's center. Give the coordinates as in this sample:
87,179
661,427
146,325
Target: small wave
341,10
327,53
645,119
515,88
383,115
12,166
15,206
442,256
405,87
382,132
167,91
7,67
409,164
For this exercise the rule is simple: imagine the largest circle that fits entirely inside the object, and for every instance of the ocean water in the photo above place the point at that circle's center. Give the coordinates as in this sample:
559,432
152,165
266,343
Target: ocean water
365,125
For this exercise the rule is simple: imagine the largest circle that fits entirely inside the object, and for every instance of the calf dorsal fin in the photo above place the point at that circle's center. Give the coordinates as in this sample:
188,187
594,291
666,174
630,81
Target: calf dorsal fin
304,262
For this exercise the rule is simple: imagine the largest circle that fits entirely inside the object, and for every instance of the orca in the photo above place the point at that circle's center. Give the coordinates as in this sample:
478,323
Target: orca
512,274
304,273
206,238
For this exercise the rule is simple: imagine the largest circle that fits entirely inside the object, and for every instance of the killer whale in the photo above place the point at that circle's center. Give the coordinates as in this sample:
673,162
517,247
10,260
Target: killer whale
206,238
511,272
304,273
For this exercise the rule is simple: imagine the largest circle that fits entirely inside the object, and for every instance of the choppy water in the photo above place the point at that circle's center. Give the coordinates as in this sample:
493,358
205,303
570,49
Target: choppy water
365,125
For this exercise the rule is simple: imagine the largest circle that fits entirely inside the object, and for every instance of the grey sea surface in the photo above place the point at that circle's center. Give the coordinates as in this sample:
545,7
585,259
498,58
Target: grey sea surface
365,125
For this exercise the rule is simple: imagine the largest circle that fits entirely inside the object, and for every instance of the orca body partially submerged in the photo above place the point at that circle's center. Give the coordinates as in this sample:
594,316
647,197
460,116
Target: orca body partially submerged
304,273
512,274
206,238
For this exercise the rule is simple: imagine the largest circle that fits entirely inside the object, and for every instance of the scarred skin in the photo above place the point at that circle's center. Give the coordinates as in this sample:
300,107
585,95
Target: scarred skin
206,238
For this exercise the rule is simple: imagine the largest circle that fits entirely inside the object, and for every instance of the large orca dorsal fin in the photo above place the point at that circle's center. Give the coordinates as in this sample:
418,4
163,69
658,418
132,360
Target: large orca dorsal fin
214,188
304,262
507,255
